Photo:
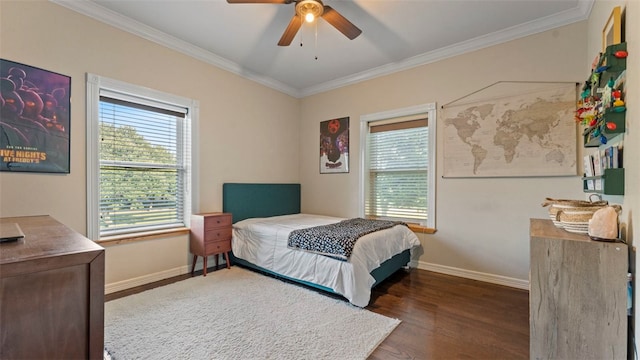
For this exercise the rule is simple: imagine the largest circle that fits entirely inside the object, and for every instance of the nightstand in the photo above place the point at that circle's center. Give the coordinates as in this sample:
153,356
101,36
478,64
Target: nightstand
210,235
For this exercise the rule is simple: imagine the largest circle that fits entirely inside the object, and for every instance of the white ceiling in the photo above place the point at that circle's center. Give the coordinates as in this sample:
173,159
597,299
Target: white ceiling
396,34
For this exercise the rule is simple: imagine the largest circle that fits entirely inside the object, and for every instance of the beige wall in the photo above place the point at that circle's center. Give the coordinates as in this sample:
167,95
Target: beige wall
483,224
247,131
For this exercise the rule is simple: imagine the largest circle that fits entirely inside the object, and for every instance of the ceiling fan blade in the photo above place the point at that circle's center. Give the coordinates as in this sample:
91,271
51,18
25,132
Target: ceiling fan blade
291,31
340,22
259,1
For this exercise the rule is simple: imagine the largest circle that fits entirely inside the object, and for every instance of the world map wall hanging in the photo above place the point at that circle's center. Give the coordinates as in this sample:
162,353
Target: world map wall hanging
511,129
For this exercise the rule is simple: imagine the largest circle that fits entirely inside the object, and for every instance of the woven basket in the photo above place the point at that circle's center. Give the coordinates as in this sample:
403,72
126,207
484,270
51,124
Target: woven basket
556,205
576,220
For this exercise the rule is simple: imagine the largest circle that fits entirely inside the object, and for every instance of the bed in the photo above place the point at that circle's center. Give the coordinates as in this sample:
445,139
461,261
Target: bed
263,216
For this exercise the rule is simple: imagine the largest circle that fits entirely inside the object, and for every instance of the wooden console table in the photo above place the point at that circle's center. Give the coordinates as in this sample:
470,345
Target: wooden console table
51,293
577,296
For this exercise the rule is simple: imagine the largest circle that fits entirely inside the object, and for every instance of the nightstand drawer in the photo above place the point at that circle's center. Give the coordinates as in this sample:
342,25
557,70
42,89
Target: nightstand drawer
217,247
222,234
212,222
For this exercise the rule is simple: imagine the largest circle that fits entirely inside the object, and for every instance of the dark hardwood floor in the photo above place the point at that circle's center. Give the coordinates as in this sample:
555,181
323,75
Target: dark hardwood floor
448,317
443,317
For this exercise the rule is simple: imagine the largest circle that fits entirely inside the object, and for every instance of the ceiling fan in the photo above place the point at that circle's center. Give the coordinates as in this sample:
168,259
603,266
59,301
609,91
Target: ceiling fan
308,10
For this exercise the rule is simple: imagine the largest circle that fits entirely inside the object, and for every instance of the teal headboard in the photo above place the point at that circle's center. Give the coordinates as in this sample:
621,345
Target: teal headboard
260,200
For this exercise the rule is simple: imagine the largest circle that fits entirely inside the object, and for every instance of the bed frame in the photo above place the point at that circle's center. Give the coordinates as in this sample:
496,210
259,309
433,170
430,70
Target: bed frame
246,201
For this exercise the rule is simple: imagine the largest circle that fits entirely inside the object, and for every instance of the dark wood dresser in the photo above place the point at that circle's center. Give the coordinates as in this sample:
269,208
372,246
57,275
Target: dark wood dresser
51,293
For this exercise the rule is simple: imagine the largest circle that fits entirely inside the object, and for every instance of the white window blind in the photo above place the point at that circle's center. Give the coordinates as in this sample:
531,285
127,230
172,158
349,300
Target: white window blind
398,171
141,163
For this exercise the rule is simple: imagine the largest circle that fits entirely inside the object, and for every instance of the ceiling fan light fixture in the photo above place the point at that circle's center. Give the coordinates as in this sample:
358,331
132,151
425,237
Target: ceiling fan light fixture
309,17
309,9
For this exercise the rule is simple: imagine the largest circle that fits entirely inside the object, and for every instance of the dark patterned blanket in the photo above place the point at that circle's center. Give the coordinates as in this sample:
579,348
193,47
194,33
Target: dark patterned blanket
336,240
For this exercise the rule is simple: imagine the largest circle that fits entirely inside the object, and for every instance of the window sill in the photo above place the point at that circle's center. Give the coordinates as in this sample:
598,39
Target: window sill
141,236
421,229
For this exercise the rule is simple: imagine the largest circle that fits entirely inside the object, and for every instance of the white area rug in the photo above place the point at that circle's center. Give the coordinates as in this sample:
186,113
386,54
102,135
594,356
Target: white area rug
238,314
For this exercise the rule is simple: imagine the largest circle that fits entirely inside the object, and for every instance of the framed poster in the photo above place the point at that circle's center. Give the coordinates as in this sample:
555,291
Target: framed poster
612,31
34,119
334,146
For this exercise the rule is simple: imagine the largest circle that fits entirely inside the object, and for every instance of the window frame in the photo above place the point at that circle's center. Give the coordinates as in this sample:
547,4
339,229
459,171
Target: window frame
397,115
96,84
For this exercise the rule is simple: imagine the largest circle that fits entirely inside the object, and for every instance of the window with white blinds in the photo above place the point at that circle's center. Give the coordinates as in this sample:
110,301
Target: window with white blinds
141,151
141,166
398,171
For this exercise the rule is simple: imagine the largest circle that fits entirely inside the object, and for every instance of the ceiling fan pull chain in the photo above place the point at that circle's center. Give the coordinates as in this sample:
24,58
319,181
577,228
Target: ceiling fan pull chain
316,41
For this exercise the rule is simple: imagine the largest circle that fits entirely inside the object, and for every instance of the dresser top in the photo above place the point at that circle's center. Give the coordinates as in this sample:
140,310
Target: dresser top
544,228
44,237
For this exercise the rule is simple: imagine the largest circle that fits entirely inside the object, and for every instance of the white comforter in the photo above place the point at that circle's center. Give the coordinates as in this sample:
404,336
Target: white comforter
263,242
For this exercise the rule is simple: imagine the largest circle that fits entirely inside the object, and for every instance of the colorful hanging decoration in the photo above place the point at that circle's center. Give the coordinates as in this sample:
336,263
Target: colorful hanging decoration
621,54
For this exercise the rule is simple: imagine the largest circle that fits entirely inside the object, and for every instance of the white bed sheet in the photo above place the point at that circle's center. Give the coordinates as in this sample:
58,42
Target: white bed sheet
263,242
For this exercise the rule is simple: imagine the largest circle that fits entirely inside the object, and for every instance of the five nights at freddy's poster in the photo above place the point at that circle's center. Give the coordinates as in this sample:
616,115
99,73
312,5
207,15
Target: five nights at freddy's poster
334,146
34,119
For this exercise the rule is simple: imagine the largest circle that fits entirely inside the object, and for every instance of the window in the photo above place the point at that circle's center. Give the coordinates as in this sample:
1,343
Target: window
398,174
138,158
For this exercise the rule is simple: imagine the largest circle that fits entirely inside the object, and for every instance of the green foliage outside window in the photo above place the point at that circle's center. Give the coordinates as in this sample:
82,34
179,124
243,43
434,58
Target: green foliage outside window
135,188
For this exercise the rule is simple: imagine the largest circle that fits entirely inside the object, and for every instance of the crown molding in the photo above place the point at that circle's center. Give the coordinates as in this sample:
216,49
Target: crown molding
579,13
121,22
95,11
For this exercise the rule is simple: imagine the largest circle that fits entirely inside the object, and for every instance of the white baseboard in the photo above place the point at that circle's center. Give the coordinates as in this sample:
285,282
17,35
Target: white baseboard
146,279
474,275
468,274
